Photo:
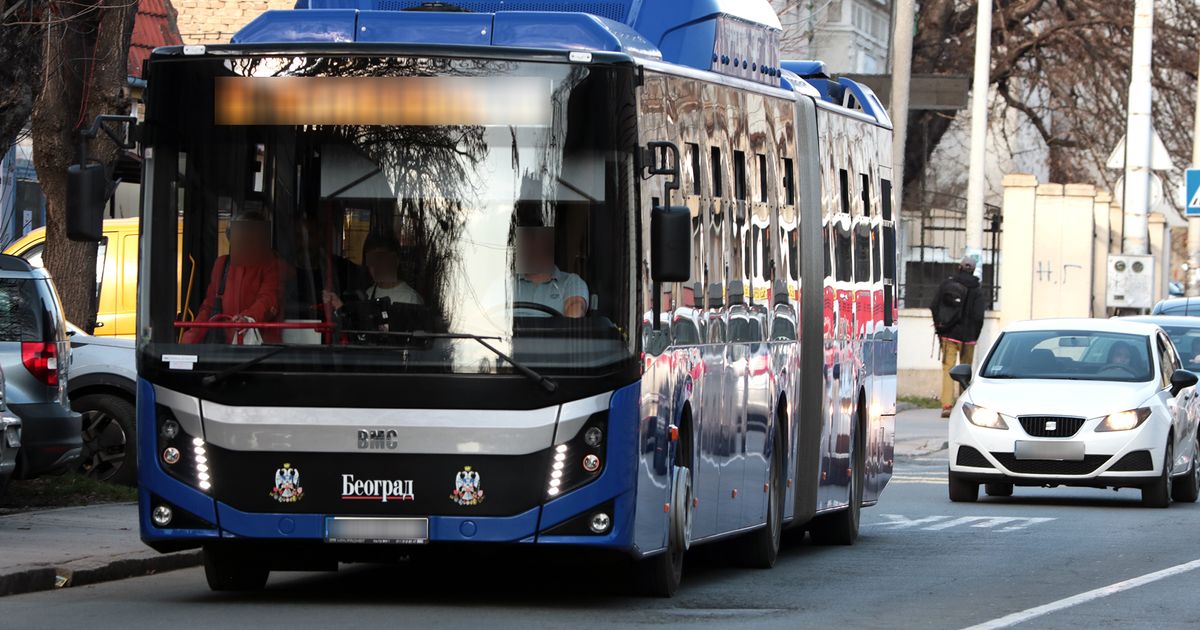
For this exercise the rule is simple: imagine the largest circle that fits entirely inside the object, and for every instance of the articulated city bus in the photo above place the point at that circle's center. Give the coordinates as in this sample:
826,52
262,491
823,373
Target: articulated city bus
618,278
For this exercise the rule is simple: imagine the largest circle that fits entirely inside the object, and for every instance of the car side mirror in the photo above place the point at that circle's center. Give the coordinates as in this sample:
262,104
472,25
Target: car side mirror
671,244
961,374
1181,380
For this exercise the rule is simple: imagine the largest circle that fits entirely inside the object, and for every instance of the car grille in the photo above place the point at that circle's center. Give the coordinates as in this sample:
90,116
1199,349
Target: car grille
1050,467
1064,426
1133,462
968,456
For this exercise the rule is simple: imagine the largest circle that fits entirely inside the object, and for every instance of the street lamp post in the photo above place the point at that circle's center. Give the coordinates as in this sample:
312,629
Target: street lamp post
979,124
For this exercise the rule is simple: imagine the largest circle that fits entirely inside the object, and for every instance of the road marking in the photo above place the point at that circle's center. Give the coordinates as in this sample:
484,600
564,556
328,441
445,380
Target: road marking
1083,598
937,523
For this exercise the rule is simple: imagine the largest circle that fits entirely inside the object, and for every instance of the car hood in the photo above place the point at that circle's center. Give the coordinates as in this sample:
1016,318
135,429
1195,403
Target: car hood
1035,397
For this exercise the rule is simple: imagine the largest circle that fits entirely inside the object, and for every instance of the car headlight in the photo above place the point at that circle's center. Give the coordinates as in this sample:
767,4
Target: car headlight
1124,420
983,417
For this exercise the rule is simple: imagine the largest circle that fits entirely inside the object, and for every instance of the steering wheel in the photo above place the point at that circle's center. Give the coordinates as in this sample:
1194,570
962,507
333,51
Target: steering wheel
1119,367
541,308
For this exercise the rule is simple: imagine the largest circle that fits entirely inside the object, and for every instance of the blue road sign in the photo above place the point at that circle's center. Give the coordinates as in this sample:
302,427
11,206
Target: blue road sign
1193,192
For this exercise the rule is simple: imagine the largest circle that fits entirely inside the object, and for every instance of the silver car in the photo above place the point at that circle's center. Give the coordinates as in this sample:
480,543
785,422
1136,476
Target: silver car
10,440
103,390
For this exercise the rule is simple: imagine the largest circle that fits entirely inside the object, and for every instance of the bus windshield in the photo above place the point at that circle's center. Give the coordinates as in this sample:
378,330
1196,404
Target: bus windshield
379,214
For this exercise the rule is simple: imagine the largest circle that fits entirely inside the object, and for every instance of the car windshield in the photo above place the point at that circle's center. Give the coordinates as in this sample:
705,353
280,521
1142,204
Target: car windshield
343,204
1071,355
1187,343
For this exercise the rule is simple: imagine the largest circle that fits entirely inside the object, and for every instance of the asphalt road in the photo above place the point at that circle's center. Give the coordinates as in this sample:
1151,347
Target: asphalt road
922,562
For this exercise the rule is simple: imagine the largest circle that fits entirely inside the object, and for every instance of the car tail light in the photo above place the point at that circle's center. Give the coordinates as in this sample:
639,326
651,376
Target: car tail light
41,359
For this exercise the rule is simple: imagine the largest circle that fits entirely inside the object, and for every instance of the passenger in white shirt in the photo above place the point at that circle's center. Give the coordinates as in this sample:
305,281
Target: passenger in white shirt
381,257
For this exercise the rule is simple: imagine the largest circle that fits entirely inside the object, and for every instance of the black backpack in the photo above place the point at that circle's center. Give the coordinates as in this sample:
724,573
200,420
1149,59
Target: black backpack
951,306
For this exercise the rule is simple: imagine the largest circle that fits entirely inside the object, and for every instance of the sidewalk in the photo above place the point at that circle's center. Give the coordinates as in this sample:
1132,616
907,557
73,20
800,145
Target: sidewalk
920,432
75,546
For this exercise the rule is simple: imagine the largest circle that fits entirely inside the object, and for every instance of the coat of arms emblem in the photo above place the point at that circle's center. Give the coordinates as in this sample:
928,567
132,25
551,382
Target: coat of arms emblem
467,488
287,485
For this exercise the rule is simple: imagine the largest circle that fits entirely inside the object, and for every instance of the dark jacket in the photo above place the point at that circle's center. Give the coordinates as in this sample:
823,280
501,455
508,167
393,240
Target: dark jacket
968,327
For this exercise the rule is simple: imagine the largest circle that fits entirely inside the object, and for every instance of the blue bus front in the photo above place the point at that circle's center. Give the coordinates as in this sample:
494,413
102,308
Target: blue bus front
388,297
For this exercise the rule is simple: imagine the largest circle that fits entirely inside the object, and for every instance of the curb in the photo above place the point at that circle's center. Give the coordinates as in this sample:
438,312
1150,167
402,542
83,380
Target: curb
93,571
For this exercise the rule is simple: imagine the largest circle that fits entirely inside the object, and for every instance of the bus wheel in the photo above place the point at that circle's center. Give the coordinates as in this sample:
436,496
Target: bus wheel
234,568
841,528
762,546
659,576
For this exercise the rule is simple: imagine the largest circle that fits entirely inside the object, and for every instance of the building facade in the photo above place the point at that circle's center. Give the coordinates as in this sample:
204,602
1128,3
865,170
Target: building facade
850,36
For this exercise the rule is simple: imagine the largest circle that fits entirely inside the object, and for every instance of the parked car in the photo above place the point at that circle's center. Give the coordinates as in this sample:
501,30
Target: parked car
103,389
35,357
1186,306
1075,403
117,275
10,440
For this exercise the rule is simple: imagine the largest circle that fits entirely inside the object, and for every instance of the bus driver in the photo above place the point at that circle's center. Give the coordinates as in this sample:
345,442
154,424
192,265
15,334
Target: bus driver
540,282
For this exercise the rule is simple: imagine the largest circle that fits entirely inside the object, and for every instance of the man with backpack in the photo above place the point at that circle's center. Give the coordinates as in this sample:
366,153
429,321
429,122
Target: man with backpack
958,318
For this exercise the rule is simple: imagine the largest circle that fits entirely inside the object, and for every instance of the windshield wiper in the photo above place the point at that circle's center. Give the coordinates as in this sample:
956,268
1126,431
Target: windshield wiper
213,379
546,383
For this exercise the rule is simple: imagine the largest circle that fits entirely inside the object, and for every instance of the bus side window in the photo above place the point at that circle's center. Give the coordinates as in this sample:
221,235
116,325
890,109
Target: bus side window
762,178
739,175
694,160
845,257
789,182
877,254
862,253
866,195
715,165
844,180
885,190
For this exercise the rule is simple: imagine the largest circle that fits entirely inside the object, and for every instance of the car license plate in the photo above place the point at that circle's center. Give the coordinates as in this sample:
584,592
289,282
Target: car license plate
394,531
1059,451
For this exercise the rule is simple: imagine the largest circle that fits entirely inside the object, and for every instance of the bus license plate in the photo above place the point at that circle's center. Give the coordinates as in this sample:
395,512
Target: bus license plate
393,531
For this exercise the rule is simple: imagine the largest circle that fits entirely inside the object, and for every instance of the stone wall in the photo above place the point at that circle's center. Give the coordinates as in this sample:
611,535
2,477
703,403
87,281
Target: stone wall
215,21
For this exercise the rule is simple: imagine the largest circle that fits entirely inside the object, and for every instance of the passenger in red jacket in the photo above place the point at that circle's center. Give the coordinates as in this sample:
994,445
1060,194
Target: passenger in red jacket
253,286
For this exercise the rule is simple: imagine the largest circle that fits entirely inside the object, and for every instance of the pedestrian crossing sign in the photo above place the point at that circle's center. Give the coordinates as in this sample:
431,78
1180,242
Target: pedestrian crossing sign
1193,192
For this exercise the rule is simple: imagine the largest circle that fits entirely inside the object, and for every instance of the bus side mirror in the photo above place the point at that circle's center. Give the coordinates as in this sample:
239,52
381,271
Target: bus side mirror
671,244
961,374
87,192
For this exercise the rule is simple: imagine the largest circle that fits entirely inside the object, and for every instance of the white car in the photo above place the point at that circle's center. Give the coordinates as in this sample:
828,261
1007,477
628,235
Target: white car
1076,402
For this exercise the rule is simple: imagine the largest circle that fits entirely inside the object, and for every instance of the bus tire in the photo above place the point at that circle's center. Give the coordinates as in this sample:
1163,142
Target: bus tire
660,575
234,568
841,527
762,545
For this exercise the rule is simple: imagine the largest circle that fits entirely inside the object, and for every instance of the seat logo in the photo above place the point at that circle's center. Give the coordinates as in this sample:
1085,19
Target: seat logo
1051,425
378,440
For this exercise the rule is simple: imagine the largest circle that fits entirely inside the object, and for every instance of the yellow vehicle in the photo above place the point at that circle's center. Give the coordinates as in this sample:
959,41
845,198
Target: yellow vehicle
118,253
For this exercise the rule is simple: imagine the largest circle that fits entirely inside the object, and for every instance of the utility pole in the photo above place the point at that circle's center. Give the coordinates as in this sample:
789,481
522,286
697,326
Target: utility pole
901,58
1139,133
979,125
1193,274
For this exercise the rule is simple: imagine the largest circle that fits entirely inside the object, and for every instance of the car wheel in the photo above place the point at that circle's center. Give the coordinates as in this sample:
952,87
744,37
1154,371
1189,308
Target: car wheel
1158,493
962,490
998,489
1186,489
234,568
109,435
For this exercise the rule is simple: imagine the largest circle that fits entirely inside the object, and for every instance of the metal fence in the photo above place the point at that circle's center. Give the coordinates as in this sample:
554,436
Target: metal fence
935,235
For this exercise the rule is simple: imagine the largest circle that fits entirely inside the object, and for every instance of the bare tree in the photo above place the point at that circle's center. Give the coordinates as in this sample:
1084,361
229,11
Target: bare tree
1064,66
22,24
85,74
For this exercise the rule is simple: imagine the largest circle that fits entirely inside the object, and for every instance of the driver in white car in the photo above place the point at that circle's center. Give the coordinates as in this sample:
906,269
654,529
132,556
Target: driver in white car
539,281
